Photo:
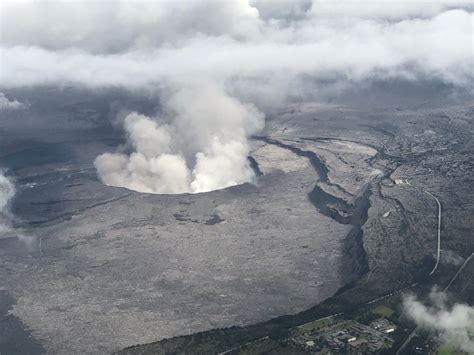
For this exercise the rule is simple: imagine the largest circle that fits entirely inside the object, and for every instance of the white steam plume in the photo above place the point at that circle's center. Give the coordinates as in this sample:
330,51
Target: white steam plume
204,147
10,105
455,324
258,51
7,191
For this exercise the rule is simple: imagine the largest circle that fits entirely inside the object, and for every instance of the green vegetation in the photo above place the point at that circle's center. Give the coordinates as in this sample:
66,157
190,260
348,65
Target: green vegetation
383,311
317,324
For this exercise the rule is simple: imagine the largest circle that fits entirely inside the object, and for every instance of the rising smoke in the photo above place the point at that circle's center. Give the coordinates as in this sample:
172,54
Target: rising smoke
203,148
10,105
7,191
455,323
215,62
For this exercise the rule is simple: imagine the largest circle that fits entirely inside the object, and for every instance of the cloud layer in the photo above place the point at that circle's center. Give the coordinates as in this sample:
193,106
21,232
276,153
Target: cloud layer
229,54
455,324
324,43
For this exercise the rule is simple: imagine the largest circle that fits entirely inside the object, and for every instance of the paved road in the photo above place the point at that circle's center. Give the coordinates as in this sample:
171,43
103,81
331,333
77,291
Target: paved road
394,293
410,337
459,271
242,346
438,253
414,332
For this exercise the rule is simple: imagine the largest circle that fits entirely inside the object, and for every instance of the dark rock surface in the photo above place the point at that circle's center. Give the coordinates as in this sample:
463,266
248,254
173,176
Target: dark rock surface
96,269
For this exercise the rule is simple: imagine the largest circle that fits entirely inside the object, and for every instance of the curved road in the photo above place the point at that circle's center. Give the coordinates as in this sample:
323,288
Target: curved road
459,271
438,253
439,231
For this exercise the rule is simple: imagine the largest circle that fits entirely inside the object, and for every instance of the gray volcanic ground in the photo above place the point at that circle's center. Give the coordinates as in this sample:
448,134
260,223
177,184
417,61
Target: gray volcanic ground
93,269
137,263
169,167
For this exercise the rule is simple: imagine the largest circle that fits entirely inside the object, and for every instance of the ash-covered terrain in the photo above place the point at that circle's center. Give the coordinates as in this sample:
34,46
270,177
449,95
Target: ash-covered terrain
383,177
90,268
239,176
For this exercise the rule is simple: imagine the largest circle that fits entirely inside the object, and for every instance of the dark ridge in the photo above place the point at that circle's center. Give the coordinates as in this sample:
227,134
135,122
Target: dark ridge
338,209
341,211
254,165
380,152
54,202
330,206
356,262
73,185
327,204
315,161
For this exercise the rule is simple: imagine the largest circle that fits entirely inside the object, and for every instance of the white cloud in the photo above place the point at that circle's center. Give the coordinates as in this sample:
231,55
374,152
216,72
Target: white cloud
114,26
259,52
437,47
384,9
455,323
